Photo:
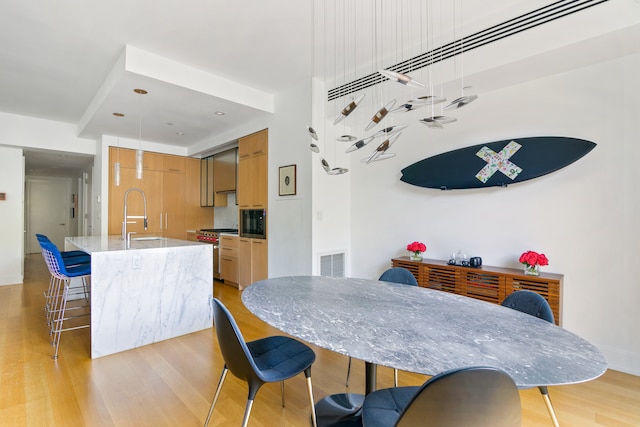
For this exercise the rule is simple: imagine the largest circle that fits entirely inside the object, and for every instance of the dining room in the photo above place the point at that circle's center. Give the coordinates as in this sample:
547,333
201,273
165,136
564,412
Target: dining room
172,382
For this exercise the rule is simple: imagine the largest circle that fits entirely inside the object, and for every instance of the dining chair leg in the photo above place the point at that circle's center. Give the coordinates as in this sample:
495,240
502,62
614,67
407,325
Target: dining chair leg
247,412
215,397
307,374
58,322
395,378
348,372
282,392
547,402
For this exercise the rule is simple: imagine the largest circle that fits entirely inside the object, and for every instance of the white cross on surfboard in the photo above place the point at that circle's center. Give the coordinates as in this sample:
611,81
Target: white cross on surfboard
498,162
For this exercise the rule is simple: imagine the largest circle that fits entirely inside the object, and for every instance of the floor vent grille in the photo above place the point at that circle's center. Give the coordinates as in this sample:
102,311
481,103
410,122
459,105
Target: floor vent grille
332,265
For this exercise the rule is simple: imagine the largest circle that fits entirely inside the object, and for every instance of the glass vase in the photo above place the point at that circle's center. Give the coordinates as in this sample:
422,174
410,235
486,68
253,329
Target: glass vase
415,256
531,270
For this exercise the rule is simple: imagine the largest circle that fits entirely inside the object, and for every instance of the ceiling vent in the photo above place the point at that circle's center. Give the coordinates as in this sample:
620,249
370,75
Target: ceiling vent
508,28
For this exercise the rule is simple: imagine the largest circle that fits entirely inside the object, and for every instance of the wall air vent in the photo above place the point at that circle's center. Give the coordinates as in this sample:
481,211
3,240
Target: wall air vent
508,28
332,265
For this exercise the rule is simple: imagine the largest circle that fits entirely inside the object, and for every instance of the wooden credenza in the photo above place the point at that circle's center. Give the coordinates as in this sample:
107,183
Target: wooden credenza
491,284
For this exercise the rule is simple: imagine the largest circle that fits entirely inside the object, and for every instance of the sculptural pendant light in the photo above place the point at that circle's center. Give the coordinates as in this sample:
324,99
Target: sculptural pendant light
436,121
139,152
463,99
380,114
401,78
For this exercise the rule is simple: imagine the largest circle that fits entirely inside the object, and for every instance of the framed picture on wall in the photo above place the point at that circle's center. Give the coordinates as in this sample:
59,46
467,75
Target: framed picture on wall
288,180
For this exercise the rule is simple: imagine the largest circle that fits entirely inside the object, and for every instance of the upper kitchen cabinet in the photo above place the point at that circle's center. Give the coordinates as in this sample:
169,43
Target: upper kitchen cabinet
127,159
253,163
196,217
218,178
224,171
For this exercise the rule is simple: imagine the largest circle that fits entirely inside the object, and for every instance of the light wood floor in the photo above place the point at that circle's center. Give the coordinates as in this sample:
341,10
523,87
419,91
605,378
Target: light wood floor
172,383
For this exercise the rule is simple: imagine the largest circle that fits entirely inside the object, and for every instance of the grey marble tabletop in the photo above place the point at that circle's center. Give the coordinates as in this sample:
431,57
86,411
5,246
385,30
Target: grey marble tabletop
422,330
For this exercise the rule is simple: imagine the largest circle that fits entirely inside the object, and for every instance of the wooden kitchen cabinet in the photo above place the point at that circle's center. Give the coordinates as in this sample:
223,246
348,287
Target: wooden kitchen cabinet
168,184
252,191
229,272
150,184
196,217
252,261
127,158
491,284
173,216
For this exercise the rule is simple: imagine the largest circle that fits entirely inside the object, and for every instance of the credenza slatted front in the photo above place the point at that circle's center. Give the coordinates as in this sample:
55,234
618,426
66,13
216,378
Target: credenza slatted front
491,284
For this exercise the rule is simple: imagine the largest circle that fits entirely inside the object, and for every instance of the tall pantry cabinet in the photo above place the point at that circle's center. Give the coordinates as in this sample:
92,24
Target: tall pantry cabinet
252,193
167,184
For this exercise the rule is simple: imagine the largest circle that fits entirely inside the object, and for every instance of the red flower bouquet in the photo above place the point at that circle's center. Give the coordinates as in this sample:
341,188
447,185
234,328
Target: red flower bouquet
416,248
532,261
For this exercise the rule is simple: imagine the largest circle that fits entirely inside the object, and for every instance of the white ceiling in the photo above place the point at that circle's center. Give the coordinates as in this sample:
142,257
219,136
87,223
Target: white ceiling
63,60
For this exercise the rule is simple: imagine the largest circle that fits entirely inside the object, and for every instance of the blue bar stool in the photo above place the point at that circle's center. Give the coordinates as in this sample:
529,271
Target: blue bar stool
61,289
70,259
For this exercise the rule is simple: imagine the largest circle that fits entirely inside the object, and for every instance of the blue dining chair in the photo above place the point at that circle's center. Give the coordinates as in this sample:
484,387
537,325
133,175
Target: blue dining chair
536,305
472,396
267,360
393,275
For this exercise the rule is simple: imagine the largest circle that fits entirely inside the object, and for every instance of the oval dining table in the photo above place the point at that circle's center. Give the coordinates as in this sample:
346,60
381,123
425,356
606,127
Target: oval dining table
418,330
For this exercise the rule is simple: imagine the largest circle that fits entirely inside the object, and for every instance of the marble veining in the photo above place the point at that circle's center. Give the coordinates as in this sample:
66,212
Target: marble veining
422,330
156,290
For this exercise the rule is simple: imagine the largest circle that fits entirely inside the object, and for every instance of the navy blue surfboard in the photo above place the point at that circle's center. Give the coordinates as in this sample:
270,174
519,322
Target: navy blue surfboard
496,164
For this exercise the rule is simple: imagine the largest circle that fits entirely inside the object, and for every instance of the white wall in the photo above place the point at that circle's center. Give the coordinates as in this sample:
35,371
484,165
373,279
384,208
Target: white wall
331,193
583,217
289,216
11,216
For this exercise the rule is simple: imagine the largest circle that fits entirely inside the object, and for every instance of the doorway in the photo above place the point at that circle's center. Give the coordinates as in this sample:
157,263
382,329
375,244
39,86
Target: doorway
48,210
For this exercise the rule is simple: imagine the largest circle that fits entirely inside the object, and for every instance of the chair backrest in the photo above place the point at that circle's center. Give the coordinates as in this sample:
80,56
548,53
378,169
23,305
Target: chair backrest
531,303
53,258
474,396
399,275
42,238
233,347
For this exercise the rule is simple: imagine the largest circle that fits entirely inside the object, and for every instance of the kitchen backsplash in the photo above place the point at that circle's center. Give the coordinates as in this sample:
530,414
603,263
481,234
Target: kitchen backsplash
226,216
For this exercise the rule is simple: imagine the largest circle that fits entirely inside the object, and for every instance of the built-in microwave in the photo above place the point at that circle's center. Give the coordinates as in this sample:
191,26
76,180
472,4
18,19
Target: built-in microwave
253,223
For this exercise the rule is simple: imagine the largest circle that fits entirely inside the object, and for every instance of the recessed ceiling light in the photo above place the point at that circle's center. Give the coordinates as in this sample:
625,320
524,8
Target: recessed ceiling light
219,113
118,114
140,91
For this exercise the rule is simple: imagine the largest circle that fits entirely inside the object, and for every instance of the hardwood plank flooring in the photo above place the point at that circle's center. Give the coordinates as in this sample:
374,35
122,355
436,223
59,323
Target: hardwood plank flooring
171,383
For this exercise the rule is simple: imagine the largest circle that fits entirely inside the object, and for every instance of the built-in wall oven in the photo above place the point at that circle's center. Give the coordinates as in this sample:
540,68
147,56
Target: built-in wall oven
212,236
253,223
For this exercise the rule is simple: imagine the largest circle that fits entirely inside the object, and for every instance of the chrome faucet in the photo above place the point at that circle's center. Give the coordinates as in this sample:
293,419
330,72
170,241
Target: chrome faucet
127,217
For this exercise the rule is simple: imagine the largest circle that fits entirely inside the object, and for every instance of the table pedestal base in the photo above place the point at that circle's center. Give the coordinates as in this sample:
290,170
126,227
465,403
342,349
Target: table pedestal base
344,410
340,410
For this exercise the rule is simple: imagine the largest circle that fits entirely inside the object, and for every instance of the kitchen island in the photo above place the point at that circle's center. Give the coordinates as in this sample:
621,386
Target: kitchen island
153,290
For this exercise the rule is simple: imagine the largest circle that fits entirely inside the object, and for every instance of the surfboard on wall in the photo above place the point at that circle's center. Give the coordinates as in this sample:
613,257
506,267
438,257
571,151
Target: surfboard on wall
496,164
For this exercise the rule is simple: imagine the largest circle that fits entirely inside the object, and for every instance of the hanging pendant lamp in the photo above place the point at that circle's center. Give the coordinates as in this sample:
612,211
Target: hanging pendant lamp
401,78
116,164
139,152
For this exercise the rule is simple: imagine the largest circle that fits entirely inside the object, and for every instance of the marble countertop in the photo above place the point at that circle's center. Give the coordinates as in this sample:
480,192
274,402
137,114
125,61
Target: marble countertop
94,244
422,330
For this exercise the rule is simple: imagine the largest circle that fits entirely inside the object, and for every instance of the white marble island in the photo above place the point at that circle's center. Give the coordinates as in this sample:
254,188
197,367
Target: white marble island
152,291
